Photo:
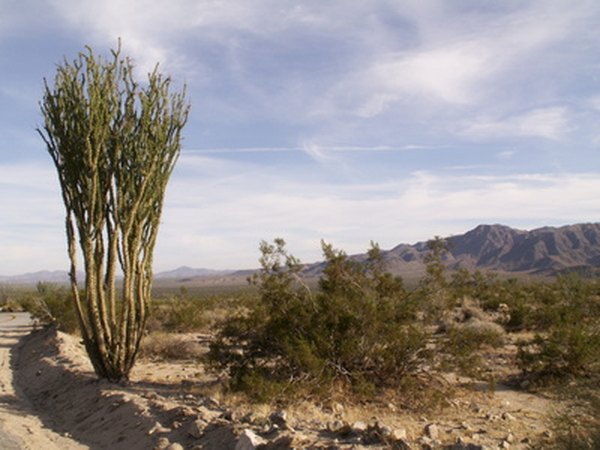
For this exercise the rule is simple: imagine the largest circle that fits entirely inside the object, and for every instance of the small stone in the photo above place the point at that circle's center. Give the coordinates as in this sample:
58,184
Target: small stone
158,428
279,418
385,431
176,424
284,441
398,434
335,426
211,401
359,426
228,415
510,438
547,434
196,428
249,440
465,426
337,408
432,431
508,416
161,444
505,444
174,446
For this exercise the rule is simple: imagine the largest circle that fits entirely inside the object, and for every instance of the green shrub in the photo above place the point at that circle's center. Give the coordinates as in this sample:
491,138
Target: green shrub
462,345
567,350
569,344
355,333
52,305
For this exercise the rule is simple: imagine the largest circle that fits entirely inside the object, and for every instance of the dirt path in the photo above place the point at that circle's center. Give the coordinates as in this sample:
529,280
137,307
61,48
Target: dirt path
19,427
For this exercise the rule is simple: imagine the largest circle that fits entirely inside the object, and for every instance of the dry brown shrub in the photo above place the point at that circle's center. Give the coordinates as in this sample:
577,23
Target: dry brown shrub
169,346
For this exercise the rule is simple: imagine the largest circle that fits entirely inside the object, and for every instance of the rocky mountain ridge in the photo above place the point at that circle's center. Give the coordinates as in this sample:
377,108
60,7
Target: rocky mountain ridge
547,250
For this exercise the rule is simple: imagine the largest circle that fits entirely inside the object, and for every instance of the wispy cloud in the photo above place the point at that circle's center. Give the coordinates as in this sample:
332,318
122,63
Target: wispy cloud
261,205
548,123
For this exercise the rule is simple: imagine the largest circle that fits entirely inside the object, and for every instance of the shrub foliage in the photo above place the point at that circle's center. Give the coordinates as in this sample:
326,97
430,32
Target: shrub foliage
355,332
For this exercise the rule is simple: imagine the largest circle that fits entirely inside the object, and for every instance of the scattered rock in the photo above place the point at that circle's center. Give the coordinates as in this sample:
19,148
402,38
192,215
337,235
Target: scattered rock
158,428
359,427
432,431
398,434
162,443
174,446
465,426
279,418
208,414
508,416
337,426
248,418
384,430
249,440
196,428
460,445
475,407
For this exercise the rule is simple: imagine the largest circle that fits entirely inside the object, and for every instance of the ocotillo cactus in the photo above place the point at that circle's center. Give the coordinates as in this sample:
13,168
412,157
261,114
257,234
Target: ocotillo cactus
114,143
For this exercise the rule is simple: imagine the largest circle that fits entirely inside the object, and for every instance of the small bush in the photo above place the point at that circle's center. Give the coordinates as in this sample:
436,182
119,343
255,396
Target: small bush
163,346
354,334
53,305
566,351
569,345
463,344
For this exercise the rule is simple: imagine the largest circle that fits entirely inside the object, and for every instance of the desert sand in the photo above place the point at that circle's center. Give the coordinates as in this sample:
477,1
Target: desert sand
51,399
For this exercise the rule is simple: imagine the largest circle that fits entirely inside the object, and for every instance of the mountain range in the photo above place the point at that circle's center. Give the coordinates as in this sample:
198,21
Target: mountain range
542,251
498,248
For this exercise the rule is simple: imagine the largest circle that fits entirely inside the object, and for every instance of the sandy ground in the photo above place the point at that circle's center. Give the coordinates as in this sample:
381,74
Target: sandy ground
171,406
18,421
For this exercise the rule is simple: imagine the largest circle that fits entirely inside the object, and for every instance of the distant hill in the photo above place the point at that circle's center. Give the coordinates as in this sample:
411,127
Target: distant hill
62,277
543,251
185,272
46,276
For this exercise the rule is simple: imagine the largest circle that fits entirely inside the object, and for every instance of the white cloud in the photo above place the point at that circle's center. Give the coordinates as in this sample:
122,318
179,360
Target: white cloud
233,216
459,60
217,211
548,123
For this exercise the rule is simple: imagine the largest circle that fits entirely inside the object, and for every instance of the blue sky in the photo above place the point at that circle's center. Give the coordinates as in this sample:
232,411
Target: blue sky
351,121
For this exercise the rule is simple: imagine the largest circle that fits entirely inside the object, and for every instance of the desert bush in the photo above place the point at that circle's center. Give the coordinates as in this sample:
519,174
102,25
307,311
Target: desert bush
169,346
462,345
355,333
568,344
567,350
183,313
434,290
52,304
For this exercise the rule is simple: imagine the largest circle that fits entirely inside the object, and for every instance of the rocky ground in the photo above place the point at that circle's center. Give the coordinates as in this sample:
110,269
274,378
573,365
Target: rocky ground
175,406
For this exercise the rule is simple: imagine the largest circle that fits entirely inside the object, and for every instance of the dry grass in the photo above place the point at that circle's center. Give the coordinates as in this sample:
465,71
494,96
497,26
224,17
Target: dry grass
169,346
